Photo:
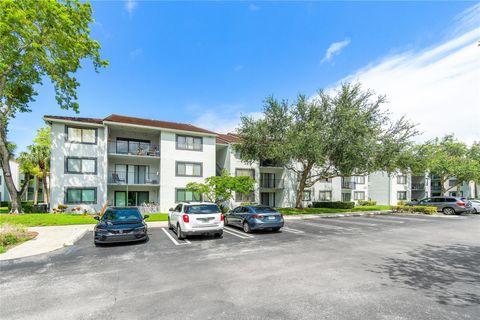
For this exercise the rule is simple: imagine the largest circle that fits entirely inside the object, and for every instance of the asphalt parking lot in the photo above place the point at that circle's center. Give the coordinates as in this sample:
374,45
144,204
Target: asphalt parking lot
380,267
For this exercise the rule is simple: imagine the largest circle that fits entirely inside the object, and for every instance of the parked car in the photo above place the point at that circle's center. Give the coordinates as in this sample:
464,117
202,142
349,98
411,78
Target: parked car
196,218
118,224
447,205
475,206
255,217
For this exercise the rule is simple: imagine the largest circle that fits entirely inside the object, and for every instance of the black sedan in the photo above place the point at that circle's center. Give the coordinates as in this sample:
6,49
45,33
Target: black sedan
120,225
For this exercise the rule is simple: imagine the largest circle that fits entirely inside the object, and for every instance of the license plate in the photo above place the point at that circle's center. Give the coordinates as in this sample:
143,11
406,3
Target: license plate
205,220
271,218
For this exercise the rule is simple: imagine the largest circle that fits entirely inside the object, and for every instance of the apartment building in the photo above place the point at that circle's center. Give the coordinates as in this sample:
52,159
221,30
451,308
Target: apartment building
276,186
465,189
120,160
15,170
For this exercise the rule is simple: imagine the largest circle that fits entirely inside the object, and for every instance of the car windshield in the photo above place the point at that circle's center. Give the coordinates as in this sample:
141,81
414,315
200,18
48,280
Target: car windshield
122,214
264,209
202,209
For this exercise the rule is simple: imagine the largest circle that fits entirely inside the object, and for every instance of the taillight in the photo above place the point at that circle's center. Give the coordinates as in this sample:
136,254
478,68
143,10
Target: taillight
185,218
222,217
461,204
257,216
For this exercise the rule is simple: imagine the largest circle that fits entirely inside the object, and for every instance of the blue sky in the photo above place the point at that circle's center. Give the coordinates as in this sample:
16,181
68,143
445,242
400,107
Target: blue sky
208,62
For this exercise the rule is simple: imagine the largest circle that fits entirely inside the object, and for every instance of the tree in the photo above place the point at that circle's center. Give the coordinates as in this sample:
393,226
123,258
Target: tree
40,39
330,135
41,153
450,159
220,189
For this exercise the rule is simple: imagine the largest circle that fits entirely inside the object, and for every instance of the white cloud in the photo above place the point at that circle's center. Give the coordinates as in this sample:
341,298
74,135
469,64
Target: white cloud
334,49
130,5
222,119
438,88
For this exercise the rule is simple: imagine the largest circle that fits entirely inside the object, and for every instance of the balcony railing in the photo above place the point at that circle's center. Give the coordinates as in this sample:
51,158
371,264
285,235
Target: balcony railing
418,186
122,177
348,184
133,148
270,163
436,187
271,183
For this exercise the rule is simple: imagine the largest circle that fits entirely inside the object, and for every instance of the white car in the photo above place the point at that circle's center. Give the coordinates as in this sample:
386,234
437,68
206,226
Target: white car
196,218
476,206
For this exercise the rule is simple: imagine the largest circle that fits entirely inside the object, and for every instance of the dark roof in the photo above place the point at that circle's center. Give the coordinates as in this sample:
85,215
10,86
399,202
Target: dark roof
77,119
227,138
136,121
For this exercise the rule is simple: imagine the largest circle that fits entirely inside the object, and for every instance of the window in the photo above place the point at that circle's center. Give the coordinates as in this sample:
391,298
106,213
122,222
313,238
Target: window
359,195
189,169
81,165
325,196
401,195
346,196
244,197
189,143
81,195
452,182
402,179
81,135
245,173
307,195
183,195
0,180
359,179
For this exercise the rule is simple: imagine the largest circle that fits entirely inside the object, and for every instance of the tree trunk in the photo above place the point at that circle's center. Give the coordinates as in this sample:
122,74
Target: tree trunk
301,185
35,197
7,173
46,192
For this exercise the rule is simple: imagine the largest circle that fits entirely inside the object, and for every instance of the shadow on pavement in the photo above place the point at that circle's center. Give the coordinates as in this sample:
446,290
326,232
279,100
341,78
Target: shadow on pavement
449,274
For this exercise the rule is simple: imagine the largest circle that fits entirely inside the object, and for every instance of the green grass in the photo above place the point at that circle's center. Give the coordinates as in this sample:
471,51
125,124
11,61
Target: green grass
293,211
3,209
61,219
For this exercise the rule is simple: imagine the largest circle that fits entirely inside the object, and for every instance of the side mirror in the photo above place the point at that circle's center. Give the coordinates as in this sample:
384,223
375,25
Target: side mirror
96,218
145,216
171,209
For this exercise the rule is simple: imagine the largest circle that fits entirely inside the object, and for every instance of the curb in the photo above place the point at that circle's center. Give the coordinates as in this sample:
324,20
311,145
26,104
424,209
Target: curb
335,215
75,238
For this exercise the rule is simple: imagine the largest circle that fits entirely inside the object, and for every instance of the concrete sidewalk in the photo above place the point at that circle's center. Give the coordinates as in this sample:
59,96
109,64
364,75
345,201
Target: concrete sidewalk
56,237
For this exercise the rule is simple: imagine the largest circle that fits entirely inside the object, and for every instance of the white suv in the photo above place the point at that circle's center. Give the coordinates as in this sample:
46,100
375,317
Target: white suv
196,218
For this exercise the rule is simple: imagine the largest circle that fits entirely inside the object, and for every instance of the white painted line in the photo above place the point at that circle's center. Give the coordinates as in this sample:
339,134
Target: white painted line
240,233
292,230
345,220
173,239
377,219
319,225
402,218
235,234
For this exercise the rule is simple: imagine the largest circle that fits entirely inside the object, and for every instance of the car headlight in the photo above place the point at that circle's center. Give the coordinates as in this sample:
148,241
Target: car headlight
101,229
140,229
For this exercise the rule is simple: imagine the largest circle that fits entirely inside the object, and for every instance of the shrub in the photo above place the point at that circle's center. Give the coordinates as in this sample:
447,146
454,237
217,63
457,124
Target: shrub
401,203
4,203
367,202
334,204
415,209
60,208
11,234
27,206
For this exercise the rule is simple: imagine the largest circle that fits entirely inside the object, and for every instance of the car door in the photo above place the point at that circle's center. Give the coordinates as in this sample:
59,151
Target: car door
230,216
237,216
440,203
176,214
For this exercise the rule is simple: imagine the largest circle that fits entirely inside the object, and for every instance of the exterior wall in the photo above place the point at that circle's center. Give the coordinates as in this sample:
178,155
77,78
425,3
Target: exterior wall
60,180
14,169
169,182
384,188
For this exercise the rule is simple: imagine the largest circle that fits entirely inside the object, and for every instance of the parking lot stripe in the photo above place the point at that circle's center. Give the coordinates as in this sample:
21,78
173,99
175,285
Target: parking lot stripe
173,239
292,230
237,233
345,220
402,218
325,226
377,219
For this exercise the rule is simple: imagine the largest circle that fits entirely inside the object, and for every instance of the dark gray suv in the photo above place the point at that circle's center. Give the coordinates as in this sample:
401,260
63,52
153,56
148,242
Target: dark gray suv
447,205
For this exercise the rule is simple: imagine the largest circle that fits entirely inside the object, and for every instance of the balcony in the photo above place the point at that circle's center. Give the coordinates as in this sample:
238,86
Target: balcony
270,164
133,148
132,178
418,186
271,183
348,184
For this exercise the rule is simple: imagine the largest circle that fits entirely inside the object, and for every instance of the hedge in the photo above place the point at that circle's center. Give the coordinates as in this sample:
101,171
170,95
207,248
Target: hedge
412,209
334,204
367,202
27,206
4,203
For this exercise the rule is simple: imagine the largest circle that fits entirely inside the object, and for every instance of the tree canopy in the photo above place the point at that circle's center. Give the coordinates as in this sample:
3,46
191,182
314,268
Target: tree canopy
332,134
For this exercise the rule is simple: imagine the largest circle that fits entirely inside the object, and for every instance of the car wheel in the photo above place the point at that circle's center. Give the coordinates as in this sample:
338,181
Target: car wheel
246,227
448,211
170,227
96,244
180,234
218,235
276,229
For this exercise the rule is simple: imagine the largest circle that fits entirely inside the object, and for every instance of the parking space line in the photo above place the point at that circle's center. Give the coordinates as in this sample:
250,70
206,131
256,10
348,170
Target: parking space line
319,225
345,220
402,218
173,239
378,219
241,233
286,229
237,234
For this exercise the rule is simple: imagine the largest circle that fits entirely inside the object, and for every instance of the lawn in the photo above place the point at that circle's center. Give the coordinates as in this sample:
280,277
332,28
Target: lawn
3,209
293,211
61,219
